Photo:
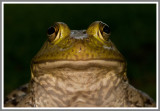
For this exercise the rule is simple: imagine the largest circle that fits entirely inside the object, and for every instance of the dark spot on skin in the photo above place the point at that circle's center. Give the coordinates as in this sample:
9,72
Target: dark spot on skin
68,41
24,89
14,102
148,101
14,95
74,98
87,55
92,55
84,96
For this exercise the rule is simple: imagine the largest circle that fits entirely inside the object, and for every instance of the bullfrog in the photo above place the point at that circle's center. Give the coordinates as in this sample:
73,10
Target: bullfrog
78,68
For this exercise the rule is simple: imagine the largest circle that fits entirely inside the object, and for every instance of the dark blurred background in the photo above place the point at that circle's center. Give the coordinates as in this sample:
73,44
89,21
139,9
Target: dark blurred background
133,31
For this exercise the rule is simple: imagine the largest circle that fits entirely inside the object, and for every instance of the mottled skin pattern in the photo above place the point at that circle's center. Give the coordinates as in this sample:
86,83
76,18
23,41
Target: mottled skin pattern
78,68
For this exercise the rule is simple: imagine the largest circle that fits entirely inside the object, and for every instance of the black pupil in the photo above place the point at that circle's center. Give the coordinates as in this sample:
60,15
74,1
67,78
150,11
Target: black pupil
106,29
51,30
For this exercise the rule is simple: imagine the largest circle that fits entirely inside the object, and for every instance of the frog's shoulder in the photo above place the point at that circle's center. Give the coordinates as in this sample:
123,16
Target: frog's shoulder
139,98
16,96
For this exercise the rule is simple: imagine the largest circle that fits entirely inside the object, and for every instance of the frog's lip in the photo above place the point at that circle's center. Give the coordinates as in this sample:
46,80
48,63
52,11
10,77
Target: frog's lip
78,64
76,61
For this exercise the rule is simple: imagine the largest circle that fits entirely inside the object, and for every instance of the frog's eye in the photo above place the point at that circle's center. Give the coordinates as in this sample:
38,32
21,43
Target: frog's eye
99,30
106,29
52,33
51,30
58,32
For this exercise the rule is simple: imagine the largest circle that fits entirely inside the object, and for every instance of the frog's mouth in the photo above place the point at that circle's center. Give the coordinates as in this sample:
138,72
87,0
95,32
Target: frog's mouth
45,67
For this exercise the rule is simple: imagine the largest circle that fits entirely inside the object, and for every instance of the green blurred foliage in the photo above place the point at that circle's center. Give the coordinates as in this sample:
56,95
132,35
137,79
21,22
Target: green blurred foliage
133,30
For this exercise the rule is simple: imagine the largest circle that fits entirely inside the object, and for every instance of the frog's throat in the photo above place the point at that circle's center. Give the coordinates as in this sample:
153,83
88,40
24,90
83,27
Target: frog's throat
83,75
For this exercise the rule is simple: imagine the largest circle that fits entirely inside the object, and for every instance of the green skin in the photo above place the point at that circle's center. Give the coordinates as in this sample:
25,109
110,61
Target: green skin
79,46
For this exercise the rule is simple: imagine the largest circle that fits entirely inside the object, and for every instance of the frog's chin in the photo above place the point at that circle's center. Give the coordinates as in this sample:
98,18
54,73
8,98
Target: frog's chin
78,65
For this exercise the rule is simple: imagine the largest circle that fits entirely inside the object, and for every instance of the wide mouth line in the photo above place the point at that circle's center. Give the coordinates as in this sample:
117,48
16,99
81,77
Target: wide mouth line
78,65
77,61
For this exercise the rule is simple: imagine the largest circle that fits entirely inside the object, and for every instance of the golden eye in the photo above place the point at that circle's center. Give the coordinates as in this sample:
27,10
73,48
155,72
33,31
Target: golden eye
99,31
52,32
58,32
105,30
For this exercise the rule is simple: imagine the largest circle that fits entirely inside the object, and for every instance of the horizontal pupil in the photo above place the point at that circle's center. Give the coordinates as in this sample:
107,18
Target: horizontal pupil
51,30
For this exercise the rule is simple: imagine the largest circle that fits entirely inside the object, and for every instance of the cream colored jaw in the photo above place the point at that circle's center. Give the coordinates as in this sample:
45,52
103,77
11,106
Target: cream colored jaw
78,64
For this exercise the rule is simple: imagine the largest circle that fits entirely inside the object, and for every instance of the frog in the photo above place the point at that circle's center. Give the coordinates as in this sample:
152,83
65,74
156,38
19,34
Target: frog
78,68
